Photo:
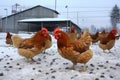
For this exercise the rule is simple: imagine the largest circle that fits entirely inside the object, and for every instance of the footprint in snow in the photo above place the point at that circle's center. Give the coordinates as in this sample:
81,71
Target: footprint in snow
1,74
17,64
53,71
96,78
39,71
92,65
53,77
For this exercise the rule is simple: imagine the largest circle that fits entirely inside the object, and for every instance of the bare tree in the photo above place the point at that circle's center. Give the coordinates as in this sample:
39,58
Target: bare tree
93,29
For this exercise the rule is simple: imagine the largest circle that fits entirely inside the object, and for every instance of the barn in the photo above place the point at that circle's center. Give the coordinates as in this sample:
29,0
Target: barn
34,24
33,19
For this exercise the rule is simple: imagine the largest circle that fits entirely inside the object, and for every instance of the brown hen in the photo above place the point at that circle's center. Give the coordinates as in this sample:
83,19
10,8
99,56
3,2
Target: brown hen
106,43
8,38
76,51
30,47
95,37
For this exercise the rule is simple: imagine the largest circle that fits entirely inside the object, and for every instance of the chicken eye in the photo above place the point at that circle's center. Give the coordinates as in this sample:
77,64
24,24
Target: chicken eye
57,36
44,33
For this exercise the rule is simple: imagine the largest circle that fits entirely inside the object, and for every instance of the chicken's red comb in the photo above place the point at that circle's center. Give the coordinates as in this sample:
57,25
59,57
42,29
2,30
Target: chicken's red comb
8,32
114,29
44,29
55,30
73,27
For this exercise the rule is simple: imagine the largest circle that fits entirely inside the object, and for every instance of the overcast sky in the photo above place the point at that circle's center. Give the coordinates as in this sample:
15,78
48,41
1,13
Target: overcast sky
82,12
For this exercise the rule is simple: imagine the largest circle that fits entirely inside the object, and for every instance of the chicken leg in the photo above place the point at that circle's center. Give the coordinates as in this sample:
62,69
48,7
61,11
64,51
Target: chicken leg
30,60
83,69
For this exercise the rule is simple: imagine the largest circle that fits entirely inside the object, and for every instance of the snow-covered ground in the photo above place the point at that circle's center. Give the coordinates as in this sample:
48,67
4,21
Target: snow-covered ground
51,66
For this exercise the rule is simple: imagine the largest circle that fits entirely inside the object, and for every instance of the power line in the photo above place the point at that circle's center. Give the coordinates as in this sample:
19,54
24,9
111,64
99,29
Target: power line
87,11
73,17
89,7
5,5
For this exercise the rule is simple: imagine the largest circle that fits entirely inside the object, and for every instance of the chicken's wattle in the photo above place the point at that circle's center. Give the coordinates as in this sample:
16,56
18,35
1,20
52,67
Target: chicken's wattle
56,37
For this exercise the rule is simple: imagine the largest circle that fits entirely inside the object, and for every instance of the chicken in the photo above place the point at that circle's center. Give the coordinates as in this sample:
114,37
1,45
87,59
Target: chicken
76,51
8,38
106,43
103,34
17,40
72,33
30,47
95,37
79,35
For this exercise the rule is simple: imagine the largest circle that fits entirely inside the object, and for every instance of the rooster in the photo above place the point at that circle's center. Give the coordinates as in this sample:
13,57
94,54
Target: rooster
76,51
30,47
8,38
106,43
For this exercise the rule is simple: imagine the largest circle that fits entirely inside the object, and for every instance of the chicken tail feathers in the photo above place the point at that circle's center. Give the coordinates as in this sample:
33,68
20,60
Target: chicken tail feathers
86,37
16,39
85,33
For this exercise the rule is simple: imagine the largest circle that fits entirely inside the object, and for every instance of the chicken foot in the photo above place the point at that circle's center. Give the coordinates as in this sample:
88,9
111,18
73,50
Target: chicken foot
84,68
72,67
31,60
44,52
110,51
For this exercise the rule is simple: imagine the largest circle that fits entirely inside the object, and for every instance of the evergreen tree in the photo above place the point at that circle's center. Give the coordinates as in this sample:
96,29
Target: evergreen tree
115,16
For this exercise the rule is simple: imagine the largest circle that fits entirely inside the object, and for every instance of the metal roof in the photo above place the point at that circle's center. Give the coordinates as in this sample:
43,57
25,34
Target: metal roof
30,9
43,20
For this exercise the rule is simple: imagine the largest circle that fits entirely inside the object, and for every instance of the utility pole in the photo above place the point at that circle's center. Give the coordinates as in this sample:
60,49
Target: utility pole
55,4
77,18
6,10
67,17
15,8
67,10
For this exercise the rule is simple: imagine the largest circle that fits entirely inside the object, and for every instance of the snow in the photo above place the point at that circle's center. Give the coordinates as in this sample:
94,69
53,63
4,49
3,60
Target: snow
51,66
43,19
